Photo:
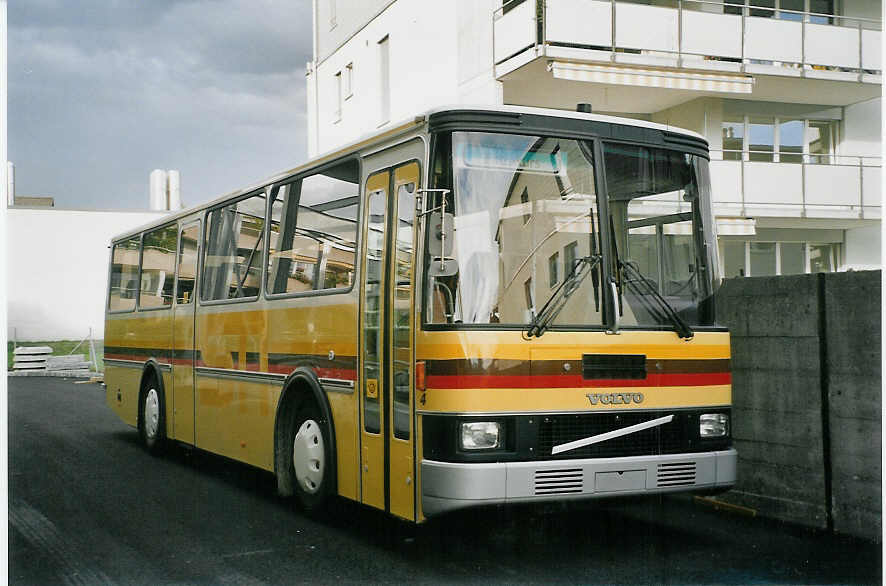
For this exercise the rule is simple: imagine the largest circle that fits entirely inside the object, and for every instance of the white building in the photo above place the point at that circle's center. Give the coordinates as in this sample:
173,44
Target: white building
787,92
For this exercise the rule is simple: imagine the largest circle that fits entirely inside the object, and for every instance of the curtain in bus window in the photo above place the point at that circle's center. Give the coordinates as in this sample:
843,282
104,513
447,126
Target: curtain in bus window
314,232
232,265
124,275
158,267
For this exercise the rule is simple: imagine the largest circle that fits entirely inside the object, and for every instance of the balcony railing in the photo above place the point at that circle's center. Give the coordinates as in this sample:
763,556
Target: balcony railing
824,186
694,33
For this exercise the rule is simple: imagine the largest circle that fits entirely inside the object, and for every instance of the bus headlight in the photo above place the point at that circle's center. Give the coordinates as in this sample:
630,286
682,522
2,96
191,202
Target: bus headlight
480,435
713,425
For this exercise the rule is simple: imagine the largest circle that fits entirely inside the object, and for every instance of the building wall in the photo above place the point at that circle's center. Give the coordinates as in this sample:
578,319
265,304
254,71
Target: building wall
337,20
58,267
806,367
423,65
863,248
862,123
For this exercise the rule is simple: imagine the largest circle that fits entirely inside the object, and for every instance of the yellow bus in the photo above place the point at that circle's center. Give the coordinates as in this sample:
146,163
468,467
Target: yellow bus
477,306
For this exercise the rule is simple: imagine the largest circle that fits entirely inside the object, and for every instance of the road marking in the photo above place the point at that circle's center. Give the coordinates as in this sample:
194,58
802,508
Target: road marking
43,535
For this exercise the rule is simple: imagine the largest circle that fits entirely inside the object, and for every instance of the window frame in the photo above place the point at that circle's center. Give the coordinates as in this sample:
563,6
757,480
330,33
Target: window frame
182,226
204,234
273,190
114,244
141,257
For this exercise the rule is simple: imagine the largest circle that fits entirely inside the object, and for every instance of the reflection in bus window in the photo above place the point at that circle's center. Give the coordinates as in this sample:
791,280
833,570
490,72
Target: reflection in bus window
187,263
518,201
402,308
158,268
232,263
372,334
314,232
124,275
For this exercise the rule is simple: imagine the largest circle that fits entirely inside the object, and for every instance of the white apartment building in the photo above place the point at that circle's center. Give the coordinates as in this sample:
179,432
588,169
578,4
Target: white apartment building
787,93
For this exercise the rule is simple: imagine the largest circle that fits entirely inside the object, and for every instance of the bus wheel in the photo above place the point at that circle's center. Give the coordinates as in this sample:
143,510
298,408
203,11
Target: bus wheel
310,458
152,419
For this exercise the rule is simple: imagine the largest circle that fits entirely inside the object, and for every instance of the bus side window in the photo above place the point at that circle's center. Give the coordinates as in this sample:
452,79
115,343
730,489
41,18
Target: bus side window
124,275
234,248
314,231
187,264
158,268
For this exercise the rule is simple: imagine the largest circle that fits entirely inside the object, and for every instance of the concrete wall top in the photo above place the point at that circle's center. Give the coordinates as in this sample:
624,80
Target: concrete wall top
57,263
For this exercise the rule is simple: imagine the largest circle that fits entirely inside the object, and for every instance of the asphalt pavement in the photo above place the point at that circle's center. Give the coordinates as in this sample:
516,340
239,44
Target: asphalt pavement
87,505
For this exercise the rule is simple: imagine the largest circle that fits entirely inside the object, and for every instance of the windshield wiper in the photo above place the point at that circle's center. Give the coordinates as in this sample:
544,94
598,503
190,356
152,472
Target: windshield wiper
680,326
583,266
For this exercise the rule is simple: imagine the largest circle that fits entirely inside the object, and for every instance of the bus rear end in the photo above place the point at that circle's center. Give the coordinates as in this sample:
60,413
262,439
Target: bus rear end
568,346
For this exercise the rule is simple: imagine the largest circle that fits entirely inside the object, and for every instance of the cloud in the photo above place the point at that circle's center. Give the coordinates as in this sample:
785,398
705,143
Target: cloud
100,96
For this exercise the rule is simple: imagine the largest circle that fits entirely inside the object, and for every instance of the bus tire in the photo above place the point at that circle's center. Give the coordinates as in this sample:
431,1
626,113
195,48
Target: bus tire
152,415
311,459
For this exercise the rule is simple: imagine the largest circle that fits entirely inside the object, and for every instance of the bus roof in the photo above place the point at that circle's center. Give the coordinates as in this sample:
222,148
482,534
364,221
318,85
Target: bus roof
396,130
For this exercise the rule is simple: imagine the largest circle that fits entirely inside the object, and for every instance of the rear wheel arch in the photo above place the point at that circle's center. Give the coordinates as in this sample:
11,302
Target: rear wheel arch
301,386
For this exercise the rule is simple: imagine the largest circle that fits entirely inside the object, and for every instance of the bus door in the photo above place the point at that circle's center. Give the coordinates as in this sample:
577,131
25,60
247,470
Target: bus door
183,353
386,340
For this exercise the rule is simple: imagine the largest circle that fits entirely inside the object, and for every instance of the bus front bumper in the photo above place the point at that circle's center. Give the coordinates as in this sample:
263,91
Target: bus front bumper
447,486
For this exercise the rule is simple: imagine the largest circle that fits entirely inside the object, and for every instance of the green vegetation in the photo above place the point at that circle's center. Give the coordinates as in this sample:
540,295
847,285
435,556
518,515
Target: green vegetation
62,348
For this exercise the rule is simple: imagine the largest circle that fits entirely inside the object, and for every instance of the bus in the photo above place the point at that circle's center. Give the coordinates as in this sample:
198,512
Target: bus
477,306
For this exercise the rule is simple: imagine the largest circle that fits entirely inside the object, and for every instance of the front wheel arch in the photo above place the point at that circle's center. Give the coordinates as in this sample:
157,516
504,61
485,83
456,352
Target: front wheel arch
301,385
151,373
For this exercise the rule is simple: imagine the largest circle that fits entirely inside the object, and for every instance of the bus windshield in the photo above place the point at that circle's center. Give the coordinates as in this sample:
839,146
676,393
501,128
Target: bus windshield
525,230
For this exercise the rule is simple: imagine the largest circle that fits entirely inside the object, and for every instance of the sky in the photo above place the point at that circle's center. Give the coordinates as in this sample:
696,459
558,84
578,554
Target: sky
101,92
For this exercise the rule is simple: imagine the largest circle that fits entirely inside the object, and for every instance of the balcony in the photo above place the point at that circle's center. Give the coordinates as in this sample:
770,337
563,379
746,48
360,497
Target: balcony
689,46
838,187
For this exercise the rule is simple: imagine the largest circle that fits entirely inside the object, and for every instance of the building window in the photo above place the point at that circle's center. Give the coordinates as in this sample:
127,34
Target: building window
790,141
742,258
822,258
338,96
780,140
554,269
763,263
530,296
524,199
821,10
761,139
349,80
793,258
570,254
384,78
820,137
733,138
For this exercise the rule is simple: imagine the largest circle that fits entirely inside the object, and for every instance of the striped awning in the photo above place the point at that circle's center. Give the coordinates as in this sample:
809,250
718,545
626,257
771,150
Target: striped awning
646,77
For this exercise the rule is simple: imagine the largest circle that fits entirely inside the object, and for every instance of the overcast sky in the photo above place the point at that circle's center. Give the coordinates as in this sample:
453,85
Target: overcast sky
103,91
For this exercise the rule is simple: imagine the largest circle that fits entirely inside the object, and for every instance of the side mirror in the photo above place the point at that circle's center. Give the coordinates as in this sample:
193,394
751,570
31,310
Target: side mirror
440,234
442,267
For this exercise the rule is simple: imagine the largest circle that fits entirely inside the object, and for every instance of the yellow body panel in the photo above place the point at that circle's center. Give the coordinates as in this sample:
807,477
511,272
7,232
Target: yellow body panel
552,400
480,346
567,345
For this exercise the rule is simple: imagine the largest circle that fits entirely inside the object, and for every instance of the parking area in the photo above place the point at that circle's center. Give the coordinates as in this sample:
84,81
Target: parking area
88,505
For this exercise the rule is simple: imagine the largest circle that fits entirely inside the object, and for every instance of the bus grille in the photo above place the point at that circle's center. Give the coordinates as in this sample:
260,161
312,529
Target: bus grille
670,438
559,481
676,474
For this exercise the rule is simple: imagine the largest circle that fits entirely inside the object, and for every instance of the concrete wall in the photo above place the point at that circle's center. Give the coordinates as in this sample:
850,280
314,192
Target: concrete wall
806,397
57,267
861,130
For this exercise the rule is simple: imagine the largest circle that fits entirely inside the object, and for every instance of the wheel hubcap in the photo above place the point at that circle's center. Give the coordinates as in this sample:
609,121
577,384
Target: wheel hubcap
152,413
308,456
